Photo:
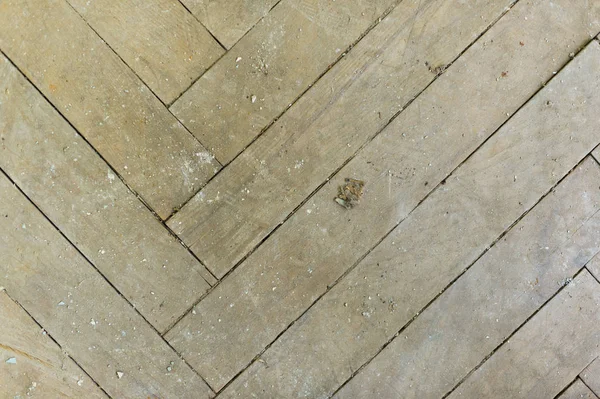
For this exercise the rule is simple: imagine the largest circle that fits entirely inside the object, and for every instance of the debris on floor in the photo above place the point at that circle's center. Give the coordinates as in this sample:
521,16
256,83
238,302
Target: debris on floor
350,192
11,360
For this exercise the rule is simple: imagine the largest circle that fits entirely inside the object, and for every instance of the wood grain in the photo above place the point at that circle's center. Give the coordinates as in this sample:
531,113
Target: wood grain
159,39
227,219
269,68
40,368
493,298
82,312
105,101
546,353
404,163
81,195
430,248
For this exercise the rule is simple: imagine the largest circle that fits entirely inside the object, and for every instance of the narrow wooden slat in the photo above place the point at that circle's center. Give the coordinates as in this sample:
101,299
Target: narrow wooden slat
493,298
591,376
322,240
270,67
384,72
82,312
105,101
578,390
229,20
32,365
547,352
159,39
80,194
439,239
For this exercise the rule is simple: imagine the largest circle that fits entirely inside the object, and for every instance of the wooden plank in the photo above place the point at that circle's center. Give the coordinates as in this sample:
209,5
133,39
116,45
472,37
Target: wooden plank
578,390
82,312
159,39
430,248
591,376
269,68
75,188
229,20
322,240
105,101
547,352
32,365
493,298
384,72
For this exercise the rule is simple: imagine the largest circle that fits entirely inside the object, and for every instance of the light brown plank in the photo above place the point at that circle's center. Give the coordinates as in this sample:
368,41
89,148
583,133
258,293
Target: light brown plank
229,20
82,312
591,376
159,39
32,365
439,239
105,101
322,240
384,72
493,298
546,353
273,64
578,390
75,188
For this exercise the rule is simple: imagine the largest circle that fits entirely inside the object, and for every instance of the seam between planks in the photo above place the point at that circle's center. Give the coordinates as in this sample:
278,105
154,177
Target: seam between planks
113,170
209,32
149,88
295,100
330,286
583,269
53,340
579,375
337,170
104,277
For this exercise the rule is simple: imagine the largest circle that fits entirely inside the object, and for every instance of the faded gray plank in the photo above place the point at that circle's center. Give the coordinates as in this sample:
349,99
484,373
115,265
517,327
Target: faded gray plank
439,239
82,312
322,240
493,298
381,74
105,101
591,376
80,194
31,365
229,20
159,39
578,390
546,353
270,67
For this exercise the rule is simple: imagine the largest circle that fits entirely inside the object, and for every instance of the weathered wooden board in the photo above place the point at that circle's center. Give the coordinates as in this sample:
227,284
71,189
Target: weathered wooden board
439,239
546,353
82,312
578,390
80,194
269,68
382,73
229,20
322,240
493,298
159,39
32,365
591,376
105,101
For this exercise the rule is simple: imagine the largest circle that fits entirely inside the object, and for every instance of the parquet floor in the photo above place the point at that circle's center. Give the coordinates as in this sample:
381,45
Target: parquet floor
299,199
